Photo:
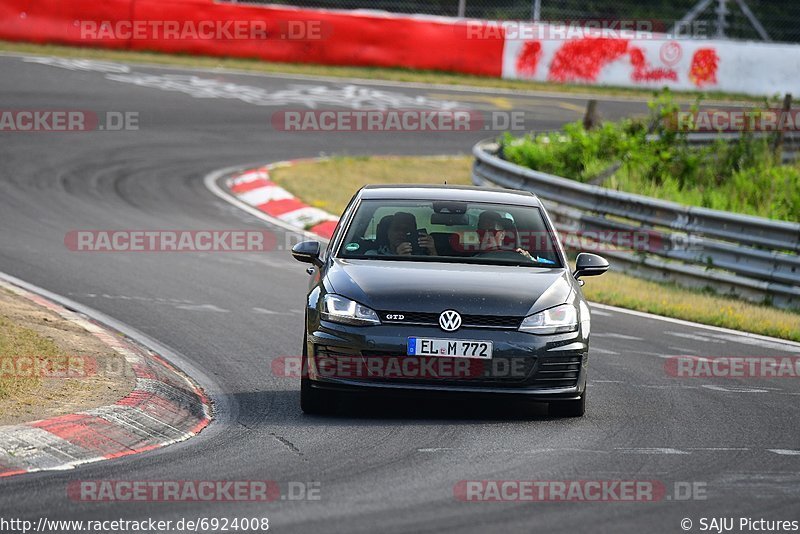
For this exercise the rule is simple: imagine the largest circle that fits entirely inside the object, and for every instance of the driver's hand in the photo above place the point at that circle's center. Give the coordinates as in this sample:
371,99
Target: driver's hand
525,253
426,242
404,249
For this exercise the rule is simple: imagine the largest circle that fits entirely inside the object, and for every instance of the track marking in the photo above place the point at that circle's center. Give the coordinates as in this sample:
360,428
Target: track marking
264,311
734,389
738,335
694,337
682,350
614,335
718,449
785,452
202,308
650,450
656,354
767,344
582,97
603,351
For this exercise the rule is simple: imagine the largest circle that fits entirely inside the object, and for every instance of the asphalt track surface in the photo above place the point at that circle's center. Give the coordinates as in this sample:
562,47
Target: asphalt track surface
387,467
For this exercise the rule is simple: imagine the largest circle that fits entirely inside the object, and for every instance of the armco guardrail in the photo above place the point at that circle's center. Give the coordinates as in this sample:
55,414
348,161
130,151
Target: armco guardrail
751,257
791,142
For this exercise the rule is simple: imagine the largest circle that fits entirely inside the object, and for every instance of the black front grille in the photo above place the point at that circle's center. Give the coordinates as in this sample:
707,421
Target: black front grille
466,372
557,372
467,321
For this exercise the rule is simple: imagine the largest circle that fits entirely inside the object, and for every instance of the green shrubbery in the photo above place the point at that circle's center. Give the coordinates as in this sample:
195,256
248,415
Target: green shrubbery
742,176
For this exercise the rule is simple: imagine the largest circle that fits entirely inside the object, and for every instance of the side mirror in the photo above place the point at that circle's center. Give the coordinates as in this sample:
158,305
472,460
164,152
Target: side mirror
307,252
587,264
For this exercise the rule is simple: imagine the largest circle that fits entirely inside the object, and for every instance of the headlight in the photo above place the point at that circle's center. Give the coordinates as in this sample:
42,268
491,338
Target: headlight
341,310
563,318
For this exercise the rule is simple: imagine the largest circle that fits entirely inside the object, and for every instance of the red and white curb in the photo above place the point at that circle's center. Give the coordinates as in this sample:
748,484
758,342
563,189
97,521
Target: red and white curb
255,188
164,407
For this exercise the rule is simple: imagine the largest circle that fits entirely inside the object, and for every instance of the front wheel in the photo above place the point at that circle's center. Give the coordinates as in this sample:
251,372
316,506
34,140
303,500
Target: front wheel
569,408
315,401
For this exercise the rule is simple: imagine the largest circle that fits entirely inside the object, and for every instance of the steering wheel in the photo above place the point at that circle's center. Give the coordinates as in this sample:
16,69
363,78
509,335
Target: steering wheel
502,255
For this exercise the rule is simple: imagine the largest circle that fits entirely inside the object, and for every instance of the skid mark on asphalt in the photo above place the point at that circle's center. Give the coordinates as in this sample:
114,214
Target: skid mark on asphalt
288,444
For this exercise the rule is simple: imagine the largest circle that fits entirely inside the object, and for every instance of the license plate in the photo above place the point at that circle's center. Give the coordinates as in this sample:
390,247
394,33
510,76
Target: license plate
456,348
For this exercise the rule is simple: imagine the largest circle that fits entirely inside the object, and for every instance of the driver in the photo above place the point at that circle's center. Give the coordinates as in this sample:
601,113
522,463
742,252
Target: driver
492,233
396,241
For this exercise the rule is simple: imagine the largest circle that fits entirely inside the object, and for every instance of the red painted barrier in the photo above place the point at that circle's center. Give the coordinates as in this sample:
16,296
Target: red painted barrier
55,21
355,38
343,38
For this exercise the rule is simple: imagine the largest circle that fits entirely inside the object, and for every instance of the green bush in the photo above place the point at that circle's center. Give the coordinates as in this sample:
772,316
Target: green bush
741,176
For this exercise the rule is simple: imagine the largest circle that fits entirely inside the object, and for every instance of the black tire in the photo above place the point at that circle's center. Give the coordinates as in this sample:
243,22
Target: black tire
569,408
315,401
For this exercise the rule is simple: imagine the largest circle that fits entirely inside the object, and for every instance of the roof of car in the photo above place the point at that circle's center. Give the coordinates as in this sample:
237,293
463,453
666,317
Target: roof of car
448,192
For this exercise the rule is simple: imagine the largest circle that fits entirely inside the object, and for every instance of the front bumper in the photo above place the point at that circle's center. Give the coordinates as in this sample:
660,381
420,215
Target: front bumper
548,367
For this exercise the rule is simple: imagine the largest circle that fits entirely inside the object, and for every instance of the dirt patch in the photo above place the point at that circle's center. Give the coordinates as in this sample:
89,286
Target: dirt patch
50,366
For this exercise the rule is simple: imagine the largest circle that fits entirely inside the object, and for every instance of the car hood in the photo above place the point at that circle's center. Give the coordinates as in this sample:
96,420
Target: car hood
433,287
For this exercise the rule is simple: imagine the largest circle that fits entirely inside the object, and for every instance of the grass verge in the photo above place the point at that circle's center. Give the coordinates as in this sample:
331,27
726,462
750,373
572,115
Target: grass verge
50,366
371,73
742,176
17,341
330,184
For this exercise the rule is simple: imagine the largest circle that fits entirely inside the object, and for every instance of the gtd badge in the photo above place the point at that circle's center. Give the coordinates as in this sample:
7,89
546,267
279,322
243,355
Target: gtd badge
449,321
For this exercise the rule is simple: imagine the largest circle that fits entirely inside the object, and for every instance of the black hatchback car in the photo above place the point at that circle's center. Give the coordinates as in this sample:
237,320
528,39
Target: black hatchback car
435,289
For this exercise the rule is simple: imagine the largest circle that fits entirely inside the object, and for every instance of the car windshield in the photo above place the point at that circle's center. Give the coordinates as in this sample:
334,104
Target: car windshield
451,231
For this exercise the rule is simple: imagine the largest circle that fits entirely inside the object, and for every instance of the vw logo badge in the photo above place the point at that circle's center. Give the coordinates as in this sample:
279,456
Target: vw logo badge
450,321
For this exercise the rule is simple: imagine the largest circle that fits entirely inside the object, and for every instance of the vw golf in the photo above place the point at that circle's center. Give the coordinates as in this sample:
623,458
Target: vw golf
445,290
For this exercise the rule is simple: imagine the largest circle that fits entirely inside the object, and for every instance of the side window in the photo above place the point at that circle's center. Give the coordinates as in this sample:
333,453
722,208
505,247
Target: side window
339,229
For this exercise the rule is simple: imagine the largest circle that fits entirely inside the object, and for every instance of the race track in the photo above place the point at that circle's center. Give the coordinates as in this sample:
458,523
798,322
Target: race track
382,467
